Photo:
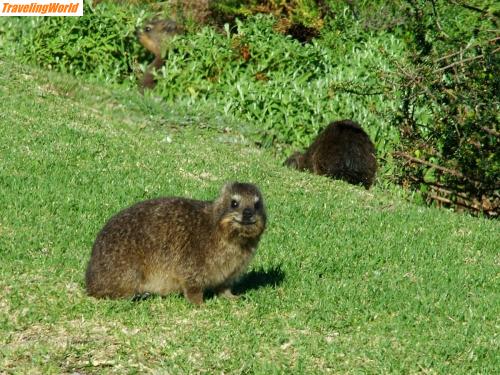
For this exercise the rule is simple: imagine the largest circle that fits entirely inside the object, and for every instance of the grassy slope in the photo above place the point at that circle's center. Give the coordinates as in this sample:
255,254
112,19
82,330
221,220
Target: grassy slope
344,281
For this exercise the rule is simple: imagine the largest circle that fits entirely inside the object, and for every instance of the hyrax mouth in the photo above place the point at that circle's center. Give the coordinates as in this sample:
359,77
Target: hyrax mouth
246,222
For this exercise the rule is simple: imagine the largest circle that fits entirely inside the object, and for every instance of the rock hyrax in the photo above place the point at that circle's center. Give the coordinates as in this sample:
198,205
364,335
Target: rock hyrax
155,37
170,245
341,151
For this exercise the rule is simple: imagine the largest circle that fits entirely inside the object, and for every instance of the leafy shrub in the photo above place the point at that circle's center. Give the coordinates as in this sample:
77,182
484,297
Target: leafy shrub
192,14
287,91
305,12
450,151
101,43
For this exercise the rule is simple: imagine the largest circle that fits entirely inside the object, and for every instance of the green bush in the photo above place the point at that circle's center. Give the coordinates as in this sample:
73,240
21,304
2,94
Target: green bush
102,43
306,12
285,90
449,117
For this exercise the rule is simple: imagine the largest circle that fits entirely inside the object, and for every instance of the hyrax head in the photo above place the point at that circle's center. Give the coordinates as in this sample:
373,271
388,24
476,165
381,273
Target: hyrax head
240,210
295,160
156,34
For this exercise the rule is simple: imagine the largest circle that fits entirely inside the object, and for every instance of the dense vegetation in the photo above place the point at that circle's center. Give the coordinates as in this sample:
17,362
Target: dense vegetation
452,154
419,75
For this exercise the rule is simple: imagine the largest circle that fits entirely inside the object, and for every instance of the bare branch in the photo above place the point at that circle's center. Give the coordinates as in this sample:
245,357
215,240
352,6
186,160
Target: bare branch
462,50
490,131
435,166
464,61
470,7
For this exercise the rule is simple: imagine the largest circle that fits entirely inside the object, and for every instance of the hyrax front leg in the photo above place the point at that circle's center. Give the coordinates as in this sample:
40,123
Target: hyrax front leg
194,295
225,291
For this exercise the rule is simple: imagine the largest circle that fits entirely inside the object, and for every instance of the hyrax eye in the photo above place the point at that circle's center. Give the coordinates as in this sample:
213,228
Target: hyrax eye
147,29
234,204
257,205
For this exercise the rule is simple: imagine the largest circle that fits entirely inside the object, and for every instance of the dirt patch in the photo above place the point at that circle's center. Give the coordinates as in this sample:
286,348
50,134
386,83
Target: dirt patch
72,346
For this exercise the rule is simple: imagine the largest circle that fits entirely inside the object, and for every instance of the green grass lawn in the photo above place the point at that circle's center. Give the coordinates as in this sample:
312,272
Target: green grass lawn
345,280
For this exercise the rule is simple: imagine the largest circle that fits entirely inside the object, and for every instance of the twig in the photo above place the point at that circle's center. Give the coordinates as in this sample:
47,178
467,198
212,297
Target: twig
462,199
449,201
470,7
479,207
443,169
350,91
464,61
342,88
462,50
436,15
490,131
441,188
429,164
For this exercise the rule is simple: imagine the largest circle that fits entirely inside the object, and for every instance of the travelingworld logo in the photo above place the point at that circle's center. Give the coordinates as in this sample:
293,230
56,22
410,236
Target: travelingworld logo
41,7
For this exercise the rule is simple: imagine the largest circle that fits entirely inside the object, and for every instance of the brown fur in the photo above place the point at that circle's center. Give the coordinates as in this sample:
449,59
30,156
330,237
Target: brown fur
170,245
341,151
154,38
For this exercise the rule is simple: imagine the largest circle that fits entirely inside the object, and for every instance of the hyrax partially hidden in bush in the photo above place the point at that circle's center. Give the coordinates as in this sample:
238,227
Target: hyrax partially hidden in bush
341,151
170,245
155,37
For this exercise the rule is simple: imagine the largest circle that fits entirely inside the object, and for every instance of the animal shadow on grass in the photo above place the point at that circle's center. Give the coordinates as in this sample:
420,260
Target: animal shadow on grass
259,279
252,280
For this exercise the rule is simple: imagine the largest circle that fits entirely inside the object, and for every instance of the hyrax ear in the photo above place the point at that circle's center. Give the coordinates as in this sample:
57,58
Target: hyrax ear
226,188
292,161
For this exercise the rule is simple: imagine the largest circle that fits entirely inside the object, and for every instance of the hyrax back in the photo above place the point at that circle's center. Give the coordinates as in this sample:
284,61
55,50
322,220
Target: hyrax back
155,37
341,151
182,245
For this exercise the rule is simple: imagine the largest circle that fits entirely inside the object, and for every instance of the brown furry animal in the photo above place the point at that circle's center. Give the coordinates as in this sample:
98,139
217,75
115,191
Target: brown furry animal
155,37
169,245
341,151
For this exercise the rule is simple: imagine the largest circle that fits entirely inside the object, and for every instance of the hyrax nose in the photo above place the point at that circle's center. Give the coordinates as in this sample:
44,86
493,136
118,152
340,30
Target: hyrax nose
247,213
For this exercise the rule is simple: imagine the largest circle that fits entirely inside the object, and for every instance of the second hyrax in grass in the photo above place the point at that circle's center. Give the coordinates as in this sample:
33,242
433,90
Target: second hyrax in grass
342,151
156,37
170,245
